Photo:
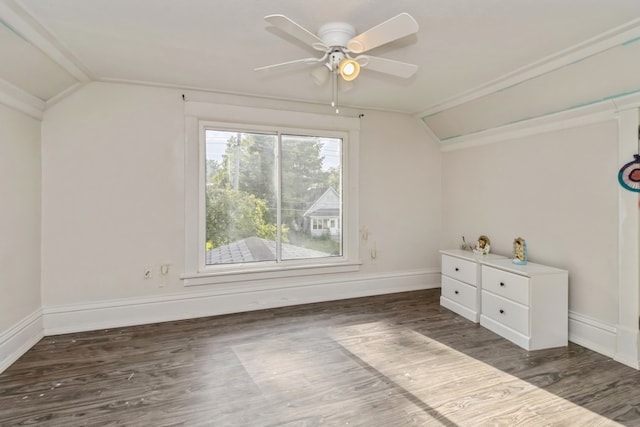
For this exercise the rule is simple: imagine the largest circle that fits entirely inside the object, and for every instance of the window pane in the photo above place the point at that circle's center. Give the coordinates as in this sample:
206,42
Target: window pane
240,197
311,197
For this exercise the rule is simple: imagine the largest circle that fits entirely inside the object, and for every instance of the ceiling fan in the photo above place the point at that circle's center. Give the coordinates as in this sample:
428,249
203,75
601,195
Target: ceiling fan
339,43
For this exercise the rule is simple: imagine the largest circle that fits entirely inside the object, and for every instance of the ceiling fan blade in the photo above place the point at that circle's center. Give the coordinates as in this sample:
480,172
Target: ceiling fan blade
387,66
304,61
297,31
392,29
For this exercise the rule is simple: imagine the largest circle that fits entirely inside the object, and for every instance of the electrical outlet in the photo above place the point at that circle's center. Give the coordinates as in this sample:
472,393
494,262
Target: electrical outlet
373,252
364,233
164,269
147,273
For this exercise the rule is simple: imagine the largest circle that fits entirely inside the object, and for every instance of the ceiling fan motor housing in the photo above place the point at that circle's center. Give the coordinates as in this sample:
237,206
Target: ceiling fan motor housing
336,34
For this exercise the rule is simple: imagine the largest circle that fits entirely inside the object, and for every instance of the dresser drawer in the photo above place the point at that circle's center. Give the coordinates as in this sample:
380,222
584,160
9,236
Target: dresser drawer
505,284
459,269
506,312
459,292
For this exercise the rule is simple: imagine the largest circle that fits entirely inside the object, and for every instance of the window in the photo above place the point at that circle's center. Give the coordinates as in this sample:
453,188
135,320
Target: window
265,201
264,193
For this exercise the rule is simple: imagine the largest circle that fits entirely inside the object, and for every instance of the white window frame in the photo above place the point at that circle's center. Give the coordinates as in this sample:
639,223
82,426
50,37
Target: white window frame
199,116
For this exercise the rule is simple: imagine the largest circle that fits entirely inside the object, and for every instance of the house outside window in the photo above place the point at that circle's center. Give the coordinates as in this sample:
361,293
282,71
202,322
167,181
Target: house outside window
325,214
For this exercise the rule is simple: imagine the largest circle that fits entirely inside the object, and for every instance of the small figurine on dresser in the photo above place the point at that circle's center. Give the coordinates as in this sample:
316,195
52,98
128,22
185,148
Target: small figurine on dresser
519,251
466,246
483,246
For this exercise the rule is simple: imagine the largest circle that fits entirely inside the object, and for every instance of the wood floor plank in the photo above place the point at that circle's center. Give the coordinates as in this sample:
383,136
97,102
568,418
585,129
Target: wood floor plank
389,360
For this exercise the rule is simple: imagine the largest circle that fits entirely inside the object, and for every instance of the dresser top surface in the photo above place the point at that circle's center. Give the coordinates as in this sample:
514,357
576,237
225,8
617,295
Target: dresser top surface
468,255
504,263
529,269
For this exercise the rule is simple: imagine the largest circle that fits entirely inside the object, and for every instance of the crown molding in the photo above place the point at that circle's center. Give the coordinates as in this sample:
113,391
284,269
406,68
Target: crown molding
594,113
16,98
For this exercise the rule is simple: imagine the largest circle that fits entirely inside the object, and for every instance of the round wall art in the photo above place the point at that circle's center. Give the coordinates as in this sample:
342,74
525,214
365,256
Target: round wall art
629,175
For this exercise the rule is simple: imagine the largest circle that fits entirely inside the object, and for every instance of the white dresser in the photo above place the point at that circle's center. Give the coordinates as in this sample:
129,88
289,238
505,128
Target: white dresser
527,304
461,282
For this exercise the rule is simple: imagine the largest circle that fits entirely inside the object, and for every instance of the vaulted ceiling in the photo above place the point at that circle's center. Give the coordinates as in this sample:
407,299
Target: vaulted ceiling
482,63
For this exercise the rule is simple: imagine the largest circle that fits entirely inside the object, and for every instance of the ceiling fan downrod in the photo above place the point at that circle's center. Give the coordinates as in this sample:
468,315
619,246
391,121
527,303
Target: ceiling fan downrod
335,58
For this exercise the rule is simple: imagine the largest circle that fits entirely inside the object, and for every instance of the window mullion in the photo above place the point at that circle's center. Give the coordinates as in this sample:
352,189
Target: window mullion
278,187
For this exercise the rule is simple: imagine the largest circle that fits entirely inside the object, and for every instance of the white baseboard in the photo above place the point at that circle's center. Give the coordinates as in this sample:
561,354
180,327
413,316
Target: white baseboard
607,339
592,334
18,339
627,347
137,311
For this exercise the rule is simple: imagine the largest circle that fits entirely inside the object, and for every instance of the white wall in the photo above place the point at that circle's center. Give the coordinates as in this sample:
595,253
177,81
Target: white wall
400,191
112,193
20,229
113,196
557,190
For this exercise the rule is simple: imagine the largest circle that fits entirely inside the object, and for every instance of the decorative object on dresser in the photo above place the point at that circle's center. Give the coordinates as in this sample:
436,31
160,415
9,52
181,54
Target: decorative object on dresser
483,246
526,304
461,282
465,246
519,251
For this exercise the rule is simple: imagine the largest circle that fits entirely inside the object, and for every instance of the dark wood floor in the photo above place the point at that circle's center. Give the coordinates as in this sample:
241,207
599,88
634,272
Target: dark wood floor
393,360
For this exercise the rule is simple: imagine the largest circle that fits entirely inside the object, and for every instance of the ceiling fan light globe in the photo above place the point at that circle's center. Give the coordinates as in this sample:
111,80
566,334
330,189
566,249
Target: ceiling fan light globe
349,69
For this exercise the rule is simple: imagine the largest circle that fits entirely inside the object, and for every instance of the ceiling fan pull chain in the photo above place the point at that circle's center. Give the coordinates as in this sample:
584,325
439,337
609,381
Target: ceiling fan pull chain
334,84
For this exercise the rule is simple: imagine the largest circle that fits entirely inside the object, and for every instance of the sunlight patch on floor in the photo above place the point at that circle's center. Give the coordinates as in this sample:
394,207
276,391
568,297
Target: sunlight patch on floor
455,388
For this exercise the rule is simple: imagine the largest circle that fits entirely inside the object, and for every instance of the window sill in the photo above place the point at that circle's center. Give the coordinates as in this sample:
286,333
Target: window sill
236,274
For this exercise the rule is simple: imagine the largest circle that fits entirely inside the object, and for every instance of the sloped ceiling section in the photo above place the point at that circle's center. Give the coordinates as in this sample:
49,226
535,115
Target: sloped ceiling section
33,69
601,69
19,58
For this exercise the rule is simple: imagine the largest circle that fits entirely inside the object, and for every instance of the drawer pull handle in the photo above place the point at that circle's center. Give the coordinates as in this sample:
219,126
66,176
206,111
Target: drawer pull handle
456,292
501,311
457,269
502,284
